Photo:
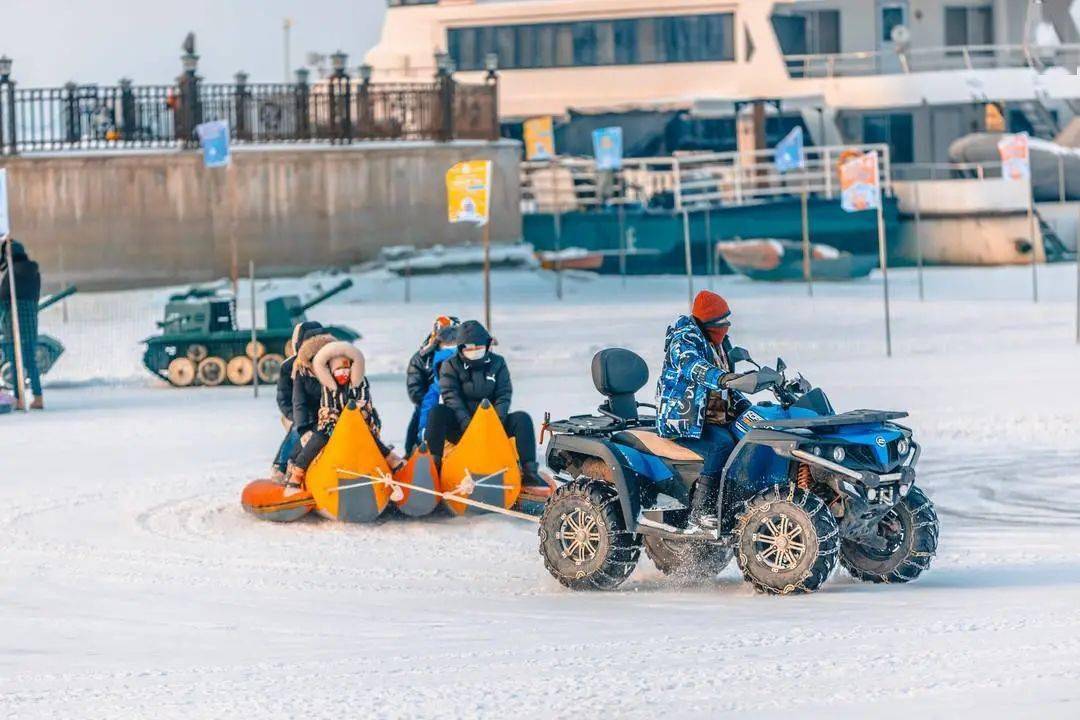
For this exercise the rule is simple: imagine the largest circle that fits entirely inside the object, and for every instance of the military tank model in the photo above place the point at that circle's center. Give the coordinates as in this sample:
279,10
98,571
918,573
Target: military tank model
201,343
48,349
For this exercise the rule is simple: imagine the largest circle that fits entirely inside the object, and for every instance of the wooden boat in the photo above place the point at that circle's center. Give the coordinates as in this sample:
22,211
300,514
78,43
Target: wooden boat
782,261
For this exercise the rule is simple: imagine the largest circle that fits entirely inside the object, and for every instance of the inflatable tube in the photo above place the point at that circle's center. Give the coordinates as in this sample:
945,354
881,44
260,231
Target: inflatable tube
351,448
420,471
483,466
268,500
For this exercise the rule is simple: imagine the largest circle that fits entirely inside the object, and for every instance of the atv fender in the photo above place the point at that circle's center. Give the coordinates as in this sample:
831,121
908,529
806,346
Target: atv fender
780,443
626,484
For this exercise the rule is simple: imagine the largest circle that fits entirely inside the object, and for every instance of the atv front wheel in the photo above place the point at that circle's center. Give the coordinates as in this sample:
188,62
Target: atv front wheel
787,541
687,559
583,537
910,532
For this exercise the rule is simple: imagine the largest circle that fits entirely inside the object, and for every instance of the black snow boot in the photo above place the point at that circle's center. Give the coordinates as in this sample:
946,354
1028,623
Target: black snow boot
531,479
703,505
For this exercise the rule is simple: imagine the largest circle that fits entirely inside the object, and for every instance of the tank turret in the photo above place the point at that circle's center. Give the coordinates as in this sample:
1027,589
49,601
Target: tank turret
201,342
287,310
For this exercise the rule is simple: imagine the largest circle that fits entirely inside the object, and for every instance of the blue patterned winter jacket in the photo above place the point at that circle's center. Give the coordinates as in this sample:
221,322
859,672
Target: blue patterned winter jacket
690,371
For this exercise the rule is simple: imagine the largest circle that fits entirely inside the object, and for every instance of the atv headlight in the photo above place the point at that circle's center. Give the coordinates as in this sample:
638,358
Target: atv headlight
816,450
902,447
838,454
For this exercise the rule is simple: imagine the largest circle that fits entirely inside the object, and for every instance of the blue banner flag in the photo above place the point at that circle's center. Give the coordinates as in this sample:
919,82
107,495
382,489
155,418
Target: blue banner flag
607,148
789,152
214,137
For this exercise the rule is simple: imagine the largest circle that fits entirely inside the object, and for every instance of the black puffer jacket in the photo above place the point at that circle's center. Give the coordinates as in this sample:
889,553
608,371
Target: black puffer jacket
464,384
27,275
418,377
301,332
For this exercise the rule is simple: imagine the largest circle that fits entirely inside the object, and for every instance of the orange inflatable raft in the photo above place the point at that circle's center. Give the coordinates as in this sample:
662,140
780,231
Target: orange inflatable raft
348,479
483,466
268,500
419,472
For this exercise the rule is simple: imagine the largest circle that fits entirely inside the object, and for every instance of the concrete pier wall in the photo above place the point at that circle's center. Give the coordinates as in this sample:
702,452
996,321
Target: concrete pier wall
123,220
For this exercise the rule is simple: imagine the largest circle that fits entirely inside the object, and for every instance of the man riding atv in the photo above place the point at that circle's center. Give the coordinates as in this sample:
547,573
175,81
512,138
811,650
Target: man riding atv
694,404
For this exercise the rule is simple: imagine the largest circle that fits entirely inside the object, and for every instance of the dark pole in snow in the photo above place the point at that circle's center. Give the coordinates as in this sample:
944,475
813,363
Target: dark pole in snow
254,337
689,257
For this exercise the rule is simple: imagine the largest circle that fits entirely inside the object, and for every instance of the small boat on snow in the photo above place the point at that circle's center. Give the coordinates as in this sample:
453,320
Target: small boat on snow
782,261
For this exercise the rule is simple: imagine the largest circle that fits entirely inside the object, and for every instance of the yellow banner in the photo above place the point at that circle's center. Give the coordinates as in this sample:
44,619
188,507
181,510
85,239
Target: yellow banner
539,138
468,191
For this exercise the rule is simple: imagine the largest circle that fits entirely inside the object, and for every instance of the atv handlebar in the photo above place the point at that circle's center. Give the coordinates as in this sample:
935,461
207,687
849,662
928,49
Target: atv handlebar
786,391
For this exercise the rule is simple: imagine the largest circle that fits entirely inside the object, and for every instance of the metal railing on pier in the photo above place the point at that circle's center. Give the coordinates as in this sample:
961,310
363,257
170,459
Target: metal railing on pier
688,181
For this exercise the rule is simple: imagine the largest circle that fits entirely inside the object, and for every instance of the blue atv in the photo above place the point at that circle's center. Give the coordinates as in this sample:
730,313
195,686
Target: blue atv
805,487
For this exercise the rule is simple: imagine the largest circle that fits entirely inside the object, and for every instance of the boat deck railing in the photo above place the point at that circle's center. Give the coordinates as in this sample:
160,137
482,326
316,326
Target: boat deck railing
934,59
688,181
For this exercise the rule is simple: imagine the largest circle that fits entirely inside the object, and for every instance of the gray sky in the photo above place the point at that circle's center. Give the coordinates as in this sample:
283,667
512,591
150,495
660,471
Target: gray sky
53,41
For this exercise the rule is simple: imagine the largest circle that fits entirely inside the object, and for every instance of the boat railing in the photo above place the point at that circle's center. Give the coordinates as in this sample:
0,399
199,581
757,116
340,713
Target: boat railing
947,171
688,181
934,59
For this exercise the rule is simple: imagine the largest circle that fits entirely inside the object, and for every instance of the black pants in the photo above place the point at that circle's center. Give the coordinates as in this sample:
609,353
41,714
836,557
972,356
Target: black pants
311,450
442,425
28,332
412,435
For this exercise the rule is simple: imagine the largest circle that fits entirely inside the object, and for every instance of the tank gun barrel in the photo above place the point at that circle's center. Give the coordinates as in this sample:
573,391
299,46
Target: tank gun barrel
57,297
324,296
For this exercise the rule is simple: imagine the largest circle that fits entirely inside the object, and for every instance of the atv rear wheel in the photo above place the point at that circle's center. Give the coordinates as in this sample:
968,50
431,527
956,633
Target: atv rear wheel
910,531
687,559
583,538
787,541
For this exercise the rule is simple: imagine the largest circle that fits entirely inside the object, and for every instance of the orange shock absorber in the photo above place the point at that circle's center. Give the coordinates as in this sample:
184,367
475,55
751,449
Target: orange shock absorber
802,477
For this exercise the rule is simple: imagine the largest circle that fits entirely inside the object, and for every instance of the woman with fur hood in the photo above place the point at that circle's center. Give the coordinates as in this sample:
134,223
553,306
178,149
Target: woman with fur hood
328,375
302,332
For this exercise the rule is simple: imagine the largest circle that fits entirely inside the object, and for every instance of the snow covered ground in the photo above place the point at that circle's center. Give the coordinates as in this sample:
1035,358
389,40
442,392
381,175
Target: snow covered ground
132,584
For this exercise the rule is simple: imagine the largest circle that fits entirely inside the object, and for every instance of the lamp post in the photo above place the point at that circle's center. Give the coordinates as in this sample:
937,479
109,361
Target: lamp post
6,83
190,106
72,116
444,77
127,109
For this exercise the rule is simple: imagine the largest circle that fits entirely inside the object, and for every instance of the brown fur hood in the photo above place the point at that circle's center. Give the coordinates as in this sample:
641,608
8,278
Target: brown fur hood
317,352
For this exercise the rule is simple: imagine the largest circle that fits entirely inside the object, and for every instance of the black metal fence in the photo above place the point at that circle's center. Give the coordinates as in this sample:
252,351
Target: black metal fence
339,109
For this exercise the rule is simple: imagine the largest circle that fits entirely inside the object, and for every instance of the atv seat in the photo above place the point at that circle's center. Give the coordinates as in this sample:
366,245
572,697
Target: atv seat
647,441
618,374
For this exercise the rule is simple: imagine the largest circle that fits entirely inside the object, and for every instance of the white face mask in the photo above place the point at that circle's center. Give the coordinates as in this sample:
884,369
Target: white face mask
475,354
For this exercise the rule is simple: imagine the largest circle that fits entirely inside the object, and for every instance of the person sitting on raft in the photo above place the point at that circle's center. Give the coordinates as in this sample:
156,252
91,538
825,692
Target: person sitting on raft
300,333
328,375
472,375
421,376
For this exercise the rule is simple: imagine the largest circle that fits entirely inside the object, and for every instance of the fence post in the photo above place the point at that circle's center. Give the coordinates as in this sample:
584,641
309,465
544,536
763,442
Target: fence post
71,113
491,62
240,94
6,83
190,108
128,121
444,78
365,119
339,95
303,104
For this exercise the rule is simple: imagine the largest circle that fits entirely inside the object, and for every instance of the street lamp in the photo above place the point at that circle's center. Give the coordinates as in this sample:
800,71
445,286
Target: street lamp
302,76
241,78
338,61
190,62
491,62
5,68
442,63
365,73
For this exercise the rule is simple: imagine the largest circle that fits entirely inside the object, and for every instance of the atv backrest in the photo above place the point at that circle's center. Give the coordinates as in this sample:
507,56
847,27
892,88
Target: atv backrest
618,374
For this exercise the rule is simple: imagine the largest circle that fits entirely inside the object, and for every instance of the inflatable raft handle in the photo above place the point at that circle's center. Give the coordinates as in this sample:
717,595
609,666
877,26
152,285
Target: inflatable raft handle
351,405
485,404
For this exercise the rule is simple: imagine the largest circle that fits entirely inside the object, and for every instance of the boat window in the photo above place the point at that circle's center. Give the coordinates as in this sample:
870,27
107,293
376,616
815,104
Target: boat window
969,25
684,38
894,130
891,17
